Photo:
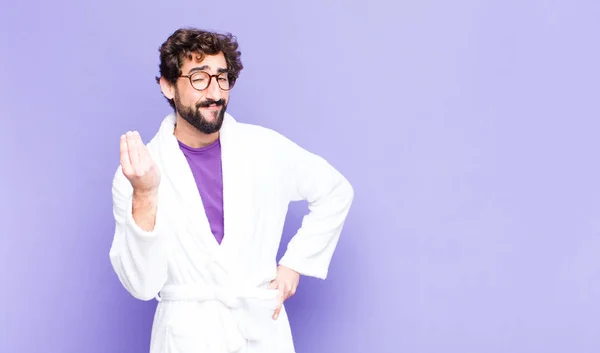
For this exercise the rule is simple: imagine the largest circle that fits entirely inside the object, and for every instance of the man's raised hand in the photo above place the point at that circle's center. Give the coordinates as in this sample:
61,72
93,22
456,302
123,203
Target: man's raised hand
137,164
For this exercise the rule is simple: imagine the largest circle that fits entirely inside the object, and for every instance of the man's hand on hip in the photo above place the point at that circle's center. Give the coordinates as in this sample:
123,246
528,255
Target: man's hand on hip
287,283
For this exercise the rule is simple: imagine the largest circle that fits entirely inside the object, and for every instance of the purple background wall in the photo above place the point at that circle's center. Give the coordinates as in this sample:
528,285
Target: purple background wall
469,130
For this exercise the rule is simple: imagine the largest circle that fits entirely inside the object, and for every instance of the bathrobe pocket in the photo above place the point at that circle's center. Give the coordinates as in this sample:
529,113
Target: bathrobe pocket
197,328
185,341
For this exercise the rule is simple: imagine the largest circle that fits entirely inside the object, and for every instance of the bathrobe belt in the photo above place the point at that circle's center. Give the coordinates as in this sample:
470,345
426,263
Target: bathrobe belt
248,314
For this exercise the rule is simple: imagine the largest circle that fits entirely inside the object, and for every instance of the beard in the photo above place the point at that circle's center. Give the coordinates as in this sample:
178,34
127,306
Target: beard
195,118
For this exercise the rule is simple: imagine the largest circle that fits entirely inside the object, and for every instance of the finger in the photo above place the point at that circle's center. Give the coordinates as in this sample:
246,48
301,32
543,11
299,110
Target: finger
284,291
280,299
139,146
273,284
289,291
277,309
145,157
134,156
124,154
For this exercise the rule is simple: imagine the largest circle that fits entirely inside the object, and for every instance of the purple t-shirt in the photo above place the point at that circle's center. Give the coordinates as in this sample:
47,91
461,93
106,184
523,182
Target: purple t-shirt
205,163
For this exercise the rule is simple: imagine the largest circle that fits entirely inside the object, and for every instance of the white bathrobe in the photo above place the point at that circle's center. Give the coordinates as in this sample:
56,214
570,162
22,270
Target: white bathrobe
213,298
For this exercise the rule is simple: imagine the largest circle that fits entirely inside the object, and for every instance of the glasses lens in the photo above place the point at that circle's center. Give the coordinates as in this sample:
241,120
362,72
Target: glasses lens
201,80
223,81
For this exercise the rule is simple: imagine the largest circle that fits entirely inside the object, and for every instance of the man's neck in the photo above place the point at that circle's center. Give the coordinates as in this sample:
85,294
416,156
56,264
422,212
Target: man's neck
190,136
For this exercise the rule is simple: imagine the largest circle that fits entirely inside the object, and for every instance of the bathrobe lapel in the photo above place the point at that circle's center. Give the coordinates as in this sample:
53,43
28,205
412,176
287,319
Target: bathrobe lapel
186,203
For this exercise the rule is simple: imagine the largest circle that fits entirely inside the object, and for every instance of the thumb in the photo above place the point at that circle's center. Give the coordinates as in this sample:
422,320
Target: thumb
274,284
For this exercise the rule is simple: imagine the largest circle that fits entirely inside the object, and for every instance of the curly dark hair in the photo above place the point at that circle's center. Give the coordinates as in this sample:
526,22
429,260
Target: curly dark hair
186,42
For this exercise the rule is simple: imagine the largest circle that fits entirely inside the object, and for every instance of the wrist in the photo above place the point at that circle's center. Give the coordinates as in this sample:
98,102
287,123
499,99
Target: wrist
139,193
288,269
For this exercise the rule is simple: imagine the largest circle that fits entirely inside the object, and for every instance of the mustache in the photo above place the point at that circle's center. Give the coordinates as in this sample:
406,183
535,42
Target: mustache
209,102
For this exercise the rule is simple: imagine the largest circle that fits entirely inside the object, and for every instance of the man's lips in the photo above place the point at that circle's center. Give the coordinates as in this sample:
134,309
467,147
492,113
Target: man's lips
212,107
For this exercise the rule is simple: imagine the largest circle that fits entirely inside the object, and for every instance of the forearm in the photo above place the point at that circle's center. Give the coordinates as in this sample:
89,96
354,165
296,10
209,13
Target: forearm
138,252
311,249
309,177
144,207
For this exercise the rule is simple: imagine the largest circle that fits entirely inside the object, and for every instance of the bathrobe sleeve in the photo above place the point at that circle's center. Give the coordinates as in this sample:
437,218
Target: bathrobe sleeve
138,257
311,178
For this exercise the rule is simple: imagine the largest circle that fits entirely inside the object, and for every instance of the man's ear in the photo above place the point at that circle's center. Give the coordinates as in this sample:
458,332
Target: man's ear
167,88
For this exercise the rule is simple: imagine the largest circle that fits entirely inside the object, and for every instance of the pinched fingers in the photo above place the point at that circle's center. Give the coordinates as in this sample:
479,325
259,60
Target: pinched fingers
133,146
124,154
135,158
145,159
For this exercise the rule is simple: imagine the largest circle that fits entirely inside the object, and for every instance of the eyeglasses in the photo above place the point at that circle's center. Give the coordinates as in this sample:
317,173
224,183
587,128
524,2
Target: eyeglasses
200,80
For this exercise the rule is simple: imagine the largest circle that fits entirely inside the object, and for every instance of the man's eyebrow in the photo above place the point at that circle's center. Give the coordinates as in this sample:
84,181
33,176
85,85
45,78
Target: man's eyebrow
200,68
205,67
